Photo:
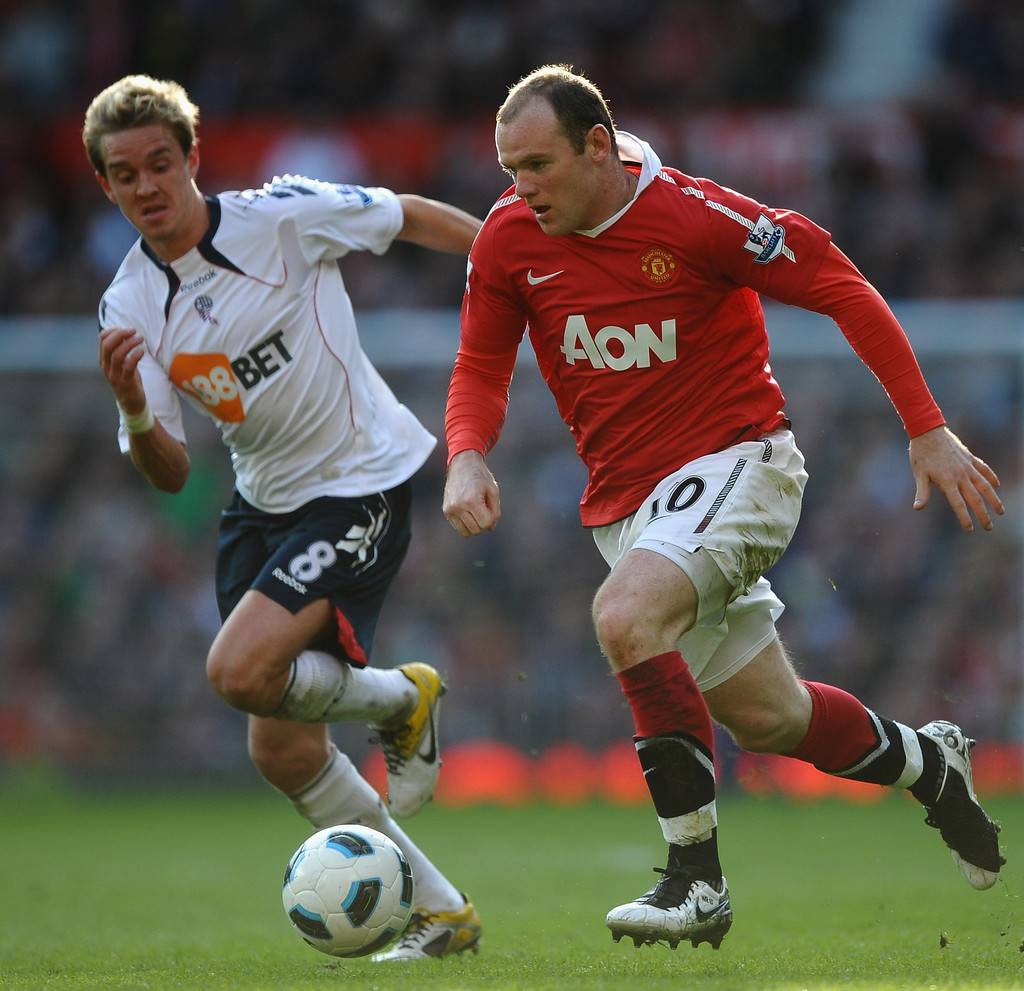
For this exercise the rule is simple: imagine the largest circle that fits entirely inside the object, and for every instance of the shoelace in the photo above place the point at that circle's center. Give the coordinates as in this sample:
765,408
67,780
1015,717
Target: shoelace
418,922
394,759
673,887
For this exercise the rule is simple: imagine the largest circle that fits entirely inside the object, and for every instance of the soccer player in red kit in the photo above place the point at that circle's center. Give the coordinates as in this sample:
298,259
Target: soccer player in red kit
639,286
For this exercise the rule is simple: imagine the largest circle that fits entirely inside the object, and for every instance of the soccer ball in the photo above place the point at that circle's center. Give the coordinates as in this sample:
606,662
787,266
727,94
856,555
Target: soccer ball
348,890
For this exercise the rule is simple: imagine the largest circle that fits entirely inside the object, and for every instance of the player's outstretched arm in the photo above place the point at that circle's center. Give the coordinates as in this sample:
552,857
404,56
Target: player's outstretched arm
939,457
441,226
163,459
471,500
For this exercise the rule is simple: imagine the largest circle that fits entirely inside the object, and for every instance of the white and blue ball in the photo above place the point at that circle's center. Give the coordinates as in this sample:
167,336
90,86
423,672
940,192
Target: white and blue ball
348,890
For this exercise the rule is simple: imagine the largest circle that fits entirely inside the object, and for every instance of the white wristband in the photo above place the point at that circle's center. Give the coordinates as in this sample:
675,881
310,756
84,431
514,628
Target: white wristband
138,423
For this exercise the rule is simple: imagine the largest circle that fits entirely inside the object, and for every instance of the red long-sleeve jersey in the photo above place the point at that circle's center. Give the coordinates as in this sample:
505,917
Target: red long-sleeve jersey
650,333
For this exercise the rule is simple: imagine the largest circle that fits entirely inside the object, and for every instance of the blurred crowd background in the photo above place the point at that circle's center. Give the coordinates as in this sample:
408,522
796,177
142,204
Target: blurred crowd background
899,127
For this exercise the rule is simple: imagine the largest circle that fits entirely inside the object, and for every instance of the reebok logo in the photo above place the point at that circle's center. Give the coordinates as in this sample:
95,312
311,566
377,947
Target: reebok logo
187,287
294,583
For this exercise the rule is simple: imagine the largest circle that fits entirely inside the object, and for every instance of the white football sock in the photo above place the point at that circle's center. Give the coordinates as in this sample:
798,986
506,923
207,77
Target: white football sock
323,689
691,827
340,794
915,759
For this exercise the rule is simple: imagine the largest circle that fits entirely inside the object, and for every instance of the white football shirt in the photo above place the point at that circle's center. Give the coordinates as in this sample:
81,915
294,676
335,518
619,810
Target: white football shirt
255,329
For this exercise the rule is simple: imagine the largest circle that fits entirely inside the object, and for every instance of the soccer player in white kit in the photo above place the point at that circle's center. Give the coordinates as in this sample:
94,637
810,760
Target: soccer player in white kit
638,285
235,303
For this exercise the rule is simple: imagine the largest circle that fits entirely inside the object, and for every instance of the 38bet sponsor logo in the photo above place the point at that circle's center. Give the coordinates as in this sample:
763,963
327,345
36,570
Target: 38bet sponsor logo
218,381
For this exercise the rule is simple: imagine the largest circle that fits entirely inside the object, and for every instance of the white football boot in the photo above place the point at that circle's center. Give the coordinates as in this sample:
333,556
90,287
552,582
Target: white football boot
678,907
972,837
411,750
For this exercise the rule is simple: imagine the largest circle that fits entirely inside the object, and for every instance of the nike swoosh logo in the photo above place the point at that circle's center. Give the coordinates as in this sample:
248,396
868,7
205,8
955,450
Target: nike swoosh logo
704,914
430,754
536,280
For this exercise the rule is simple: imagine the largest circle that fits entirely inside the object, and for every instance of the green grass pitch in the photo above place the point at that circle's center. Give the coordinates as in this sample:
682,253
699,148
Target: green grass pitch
182,891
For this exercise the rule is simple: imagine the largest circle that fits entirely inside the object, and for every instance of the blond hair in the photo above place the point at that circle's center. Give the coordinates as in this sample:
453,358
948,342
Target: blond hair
135,101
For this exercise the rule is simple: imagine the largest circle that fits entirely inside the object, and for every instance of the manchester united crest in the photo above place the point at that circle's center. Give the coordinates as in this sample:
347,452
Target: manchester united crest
658,266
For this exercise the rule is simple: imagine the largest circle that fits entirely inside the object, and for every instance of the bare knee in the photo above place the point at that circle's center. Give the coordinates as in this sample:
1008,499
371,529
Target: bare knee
250,660
239,681
645,604
631,629
620,630
229,678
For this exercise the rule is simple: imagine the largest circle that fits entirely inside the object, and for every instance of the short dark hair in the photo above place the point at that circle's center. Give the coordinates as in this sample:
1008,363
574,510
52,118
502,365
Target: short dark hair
577,103
135,101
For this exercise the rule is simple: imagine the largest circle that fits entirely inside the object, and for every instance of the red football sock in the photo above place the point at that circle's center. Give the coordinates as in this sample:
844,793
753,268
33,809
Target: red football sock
841,732
665,699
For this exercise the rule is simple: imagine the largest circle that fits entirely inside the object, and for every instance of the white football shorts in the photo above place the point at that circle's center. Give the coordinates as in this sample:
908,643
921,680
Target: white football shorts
725,519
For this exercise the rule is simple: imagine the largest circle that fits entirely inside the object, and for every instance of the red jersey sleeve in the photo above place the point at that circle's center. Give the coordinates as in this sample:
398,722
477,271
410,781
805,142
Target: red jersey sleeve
492,327
772,251
841,292
790,259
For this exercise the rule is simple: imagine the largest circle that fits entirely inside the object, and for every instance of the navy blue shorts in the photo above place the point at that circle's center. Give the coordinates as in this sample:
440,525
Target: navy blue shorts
344,550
